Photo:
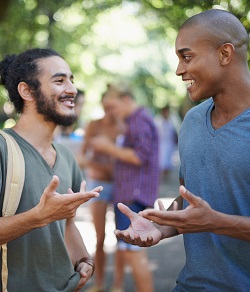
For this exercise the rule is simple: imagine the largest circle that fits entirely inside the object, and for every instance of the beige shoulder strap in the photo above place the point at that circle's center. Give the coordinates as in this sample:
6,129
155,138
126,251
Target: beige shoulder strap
13,191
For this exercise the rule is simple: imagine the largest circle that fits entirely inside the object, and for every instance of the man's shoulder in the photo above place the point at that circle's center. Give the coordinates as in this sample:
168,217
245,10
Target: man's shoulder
143,114
199,109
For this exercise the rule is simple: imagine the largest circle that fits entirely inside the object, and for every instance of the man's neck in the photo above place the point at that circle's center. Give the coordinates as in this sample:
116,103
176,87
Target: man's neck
228,107
36,131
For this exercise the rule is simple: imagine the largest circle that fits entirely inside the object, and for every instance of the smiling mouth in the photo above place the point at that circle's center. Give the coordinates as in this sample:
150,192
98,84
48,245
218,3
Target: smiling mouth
189,83
68,102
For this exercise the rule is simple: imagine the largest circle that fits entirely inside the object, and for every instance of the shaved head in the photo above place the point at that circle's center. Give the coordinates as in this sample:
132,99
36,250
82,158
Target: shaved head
220,27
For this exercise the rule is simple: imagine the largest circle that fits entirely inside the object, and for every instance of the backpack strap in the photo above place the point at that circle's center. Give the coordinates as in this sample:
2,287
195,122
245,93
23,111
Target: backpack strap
13,191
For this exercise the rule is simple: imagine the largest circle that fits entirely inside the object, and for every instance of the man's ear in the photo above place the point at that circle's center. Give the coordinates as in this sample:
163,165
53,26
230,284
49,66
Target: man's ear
226,53
24,91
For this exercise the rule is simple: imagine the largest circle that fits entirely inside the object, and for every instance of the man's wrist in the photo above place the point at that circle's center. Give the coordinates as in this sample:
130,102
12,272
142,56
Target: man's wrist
86,260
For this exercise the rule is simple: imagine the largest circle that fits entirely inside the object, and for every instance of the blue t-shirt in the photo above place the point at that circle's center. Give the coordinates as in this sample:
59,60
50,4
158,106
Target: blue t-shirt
215,165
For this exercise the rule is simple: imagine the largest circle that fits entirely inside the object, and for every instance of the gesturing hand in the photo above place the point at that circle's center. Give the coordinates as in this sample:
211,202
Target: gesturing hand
141,232
54,206
197,217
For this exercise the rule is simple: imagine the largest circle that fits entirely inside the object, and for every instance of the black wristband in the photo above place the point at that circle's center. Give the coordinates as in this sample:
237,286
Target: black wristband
87,261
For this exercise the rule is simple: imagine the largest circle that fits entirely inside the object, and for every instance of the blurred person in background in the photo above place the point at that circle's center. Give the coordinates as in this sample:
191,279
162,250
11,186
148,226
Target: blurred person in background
168,139
136,177
99,168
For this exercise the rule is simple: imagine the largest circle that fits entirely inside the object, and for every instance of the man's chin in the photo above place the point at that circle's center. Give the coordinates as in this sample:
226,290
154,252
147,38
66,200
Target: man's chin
67,122
59,120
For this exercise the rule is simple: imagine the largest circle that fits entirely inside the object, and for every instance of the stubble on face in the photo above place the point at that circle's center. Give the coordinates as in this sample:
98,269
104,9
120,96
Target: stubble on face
48,108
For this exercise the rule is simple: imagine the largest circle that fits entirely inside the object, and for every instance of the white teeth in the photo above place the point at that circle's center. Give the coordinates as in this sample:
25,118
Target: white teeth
189,83
67,102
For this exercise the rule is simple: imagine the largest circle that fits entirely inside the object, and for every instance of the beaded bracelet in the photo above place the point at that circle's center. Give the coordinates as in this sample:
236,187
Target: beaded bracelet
87,261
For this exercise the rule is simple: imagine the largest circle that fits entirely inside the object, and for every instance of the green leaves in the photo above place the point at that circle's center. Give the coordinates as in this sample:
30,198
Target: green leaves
105,39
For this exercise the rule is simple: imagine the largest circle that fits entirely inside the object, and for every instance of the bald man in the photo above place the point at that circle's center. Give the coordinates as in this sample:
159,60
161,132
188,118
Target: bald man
213,209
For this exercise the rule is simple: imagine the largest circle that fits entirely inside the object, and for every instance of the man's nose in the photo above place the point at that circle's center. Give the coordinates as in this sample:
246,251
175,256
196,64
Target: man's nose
71,89
180,69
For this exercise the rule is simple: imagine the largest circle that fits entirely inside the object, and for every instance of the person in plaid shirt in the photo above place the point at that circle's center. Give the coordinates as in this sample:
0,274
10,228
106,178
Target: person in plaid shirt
136,176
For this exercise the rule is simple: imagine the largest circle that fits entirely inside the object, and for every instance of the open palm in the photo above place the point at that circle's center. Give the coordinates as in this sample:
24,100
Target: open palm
141,232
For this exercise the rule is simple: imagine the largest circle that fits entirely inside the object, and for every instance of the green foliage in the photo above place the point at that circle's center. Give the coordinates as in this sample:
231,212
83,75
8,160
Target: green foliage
107,39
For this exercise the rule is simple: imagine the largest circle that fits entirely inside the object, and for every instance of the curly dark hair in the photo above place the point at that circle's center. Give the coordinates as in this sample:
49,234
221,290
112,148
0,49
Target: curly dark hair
22,68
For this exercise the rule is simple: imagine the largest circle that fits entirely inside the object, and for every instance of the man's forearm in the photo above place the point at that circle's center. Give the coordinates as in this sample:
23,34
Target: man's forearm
12,227
75,245
124,154
233,226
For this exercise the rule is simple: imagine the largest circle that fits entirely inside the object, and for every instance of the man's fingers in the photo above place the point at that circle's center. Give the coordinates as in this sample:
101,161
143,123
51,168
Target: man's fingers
156,219
161,206
76,199
175,206
118,233
187,195
159,217
122,234
83,187
82,198
126,211
51,188
98,189
70,191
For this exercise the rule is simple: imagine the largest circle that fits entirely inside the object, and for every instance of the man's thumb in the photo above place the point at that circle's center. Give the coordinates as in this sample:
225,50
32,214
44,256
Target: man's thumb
126,211
51,188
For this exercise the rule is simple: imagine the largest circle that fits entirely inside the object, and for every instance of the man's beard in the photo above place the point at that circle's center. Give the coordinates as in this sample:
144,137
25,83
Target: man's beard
47,107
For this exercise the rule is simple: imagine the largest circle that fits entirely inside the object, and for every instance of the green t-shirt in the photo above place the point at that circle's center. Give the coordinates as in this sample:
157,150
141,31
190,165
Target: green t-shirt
38,260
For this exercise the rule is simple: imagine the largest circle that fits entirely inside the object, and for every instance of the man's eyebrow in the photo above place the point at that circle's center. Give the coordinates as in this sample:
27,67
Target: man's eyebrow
62,75
180,51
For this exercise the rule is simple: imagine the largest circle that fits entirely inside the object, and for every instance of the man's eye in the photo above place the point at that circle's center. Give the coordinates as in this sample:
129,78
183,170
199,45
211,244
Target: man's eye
186,57
59,80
